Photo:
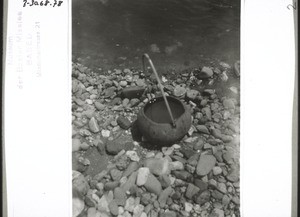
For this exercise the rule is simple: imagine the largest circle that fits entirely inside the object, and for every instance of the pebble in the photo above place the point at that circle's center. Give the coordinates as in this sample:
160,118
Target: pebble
138,210
192,94
191,169
105,133
99,186
165,180
91,212
182,174
113,207
203,197
149,155
123,83
129,205
124,122
77,206
202,129
179,91
228,157
142,176
225,200
115,146
168,150
164,195
235,200
116,174
224,76
125,102
157,166
176,165
205,164
191,191
120,196
217,195
130,182
103,204
217,213
153,185
133,166
79,183
217,170
228,104
201,184
222,187
76,144
168,214
148,208
93,125
134,102
206,110
121,210
188,207
205,72
133,156
176,146
213,183
111,185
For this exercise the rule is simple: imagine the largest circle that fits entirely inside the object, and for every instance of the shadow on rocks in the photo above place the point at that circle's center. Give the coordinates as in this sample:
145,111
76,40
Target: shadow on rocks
137,136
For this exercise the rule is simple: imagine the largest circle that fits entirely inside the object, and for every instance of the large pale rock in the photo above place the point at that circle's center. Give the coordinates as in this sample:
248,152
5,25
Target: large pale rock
77,206
130,182
205,164
130,204
103,204
164,195
205,72
79,183
142,176
157,166
93,125
153,185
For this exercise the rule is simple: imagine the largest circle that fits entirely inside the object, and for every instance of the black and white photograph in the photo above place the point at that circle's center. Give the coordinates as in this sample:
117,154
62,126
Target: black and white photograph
156,108
150,108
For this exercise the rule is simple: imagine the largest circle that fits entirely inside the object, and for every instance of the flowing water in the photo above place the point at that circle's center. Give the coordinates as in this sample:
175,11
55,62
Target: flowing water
177,34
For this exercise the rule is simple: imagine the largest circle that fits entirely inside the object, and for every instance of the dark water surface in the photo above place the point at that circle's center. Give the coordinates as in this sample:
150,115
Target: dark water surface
177,34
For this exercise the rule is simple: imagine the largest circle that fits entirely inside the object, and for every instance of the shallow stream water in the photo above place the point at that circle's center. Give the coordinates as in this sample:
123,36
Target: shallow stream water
177,34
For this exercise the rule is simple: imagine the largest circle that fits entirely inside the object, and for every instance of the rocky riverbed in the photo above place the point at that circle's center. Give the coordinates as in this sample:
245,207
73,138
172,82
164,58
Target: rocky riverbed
117,173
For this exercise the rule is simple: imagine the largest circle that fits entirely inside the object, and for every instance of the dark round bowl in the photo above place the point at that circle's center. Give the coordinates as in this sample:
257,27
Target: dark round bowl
155,124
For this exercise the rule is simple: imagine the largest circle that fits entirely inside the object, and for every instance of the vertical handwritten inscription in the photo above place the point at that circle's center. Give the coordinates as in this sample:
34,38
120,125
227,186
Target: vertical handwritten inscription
19,40
38,48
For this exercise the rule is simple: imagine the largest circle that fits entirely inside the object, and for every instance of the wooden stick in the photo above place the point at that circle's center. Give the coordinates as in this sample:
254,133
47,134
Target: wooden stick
160,86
